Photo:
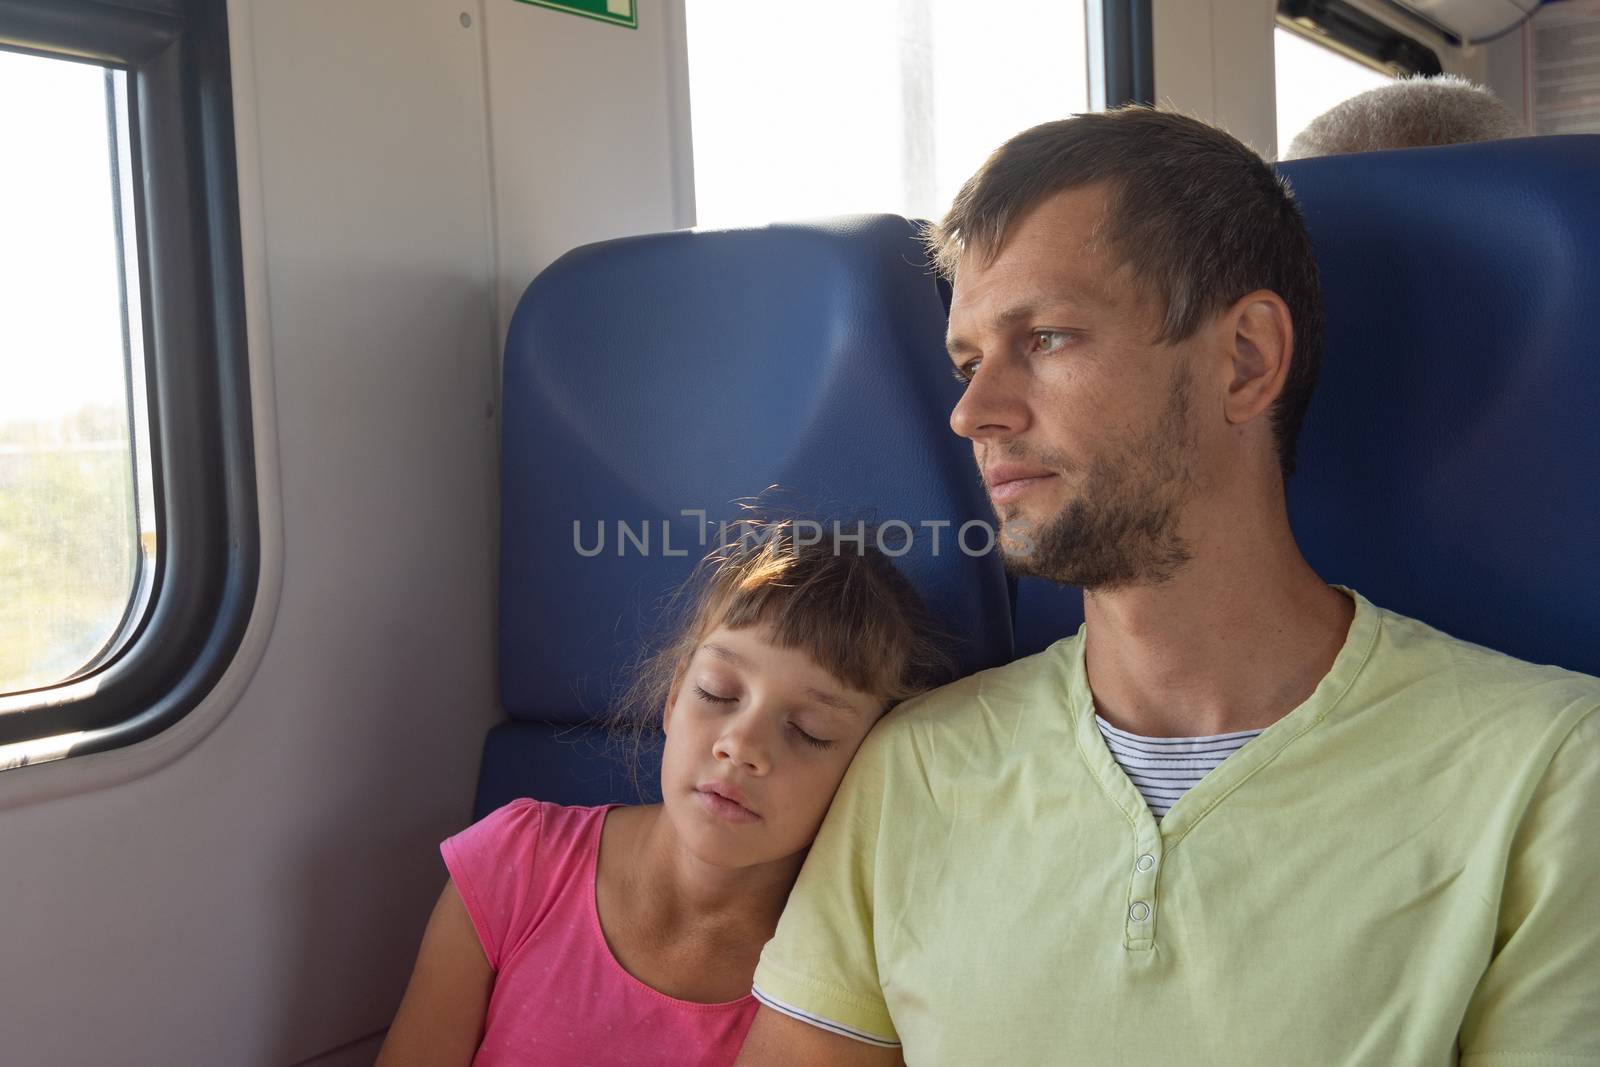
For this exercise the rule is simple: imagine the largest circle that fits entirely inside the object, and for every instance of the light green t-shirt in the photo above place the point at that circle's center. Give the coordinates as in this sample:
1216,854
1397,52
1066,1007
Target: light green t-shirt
1404,870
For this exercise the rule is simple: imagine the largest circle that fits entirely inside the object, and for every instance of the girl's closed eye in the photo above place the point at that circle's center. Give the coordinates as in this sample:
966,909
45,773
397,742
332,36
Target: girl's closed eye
713,698
810,739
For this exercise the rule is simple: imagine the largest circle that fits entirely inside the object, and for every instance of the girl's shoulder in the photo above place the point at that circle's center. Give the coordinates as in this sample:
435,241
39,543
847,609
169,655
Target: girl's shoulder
528,826
516,864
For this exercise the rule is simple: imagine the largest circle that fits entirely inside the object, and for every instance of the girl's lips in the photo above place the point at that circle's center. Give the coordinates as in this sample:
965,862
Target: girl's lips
723,808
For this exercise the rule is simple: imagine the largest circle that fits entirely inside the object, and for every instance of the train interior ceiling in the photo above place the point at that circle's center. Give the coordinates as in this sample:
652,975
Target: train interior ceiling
246,881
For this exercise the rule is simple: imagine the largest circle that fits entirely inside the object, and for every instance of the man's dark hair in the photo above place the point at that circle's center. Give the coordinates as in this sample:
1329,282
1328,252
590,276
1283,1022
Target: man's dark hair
1200,218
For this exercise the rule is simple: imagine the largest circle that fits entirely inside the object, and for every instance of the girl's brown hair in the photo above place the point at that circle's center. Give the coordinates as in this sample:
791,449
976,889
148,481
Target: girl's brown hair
848,608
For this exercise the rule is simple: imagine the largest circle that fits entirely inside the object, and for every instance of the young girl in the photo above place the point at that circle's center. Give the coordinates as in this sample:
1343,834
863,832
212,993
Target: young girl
629,935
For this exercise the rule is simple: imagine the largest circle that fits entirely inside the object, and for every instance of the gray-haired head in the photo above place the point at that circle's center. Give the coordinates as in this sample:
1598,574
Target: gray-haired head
1412,113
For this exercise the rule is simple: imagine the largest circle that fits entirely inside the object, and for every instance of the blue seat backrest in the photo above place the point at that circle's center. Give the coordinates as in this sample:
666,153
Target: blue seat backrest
651,376
1447,466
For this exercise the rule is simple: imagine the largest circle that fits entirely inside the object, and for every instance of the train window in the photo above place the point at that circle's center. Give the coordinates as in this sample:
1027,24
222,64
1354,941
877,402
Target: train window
1311,78
77,524
867,107
129,539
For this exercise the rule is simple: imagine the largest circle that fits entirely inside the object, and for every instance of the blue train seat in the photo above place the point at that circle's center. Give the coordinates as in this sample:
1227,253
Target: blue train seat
1447,466
652,376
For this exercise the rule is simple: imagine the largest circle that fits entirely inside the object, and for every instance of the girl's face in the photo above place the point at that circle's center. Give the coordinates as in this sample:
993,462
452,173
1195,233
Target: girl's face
758,738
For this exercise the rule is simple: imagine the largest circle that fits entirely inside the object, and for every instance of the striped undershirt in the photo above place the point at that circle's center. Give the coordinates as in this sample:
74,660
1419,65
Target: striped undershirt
1165,768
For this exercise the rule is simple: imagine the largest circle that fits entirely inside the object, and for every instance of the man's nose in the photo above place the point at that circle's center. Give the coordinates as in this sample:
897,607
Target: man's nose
993,405
745,744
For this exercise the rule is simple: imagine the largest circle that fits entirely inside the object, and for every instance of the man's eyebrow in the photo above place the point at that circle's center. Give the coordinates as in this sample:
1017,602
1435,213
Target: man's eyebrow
1016,314
1006,319
1010,318
957,347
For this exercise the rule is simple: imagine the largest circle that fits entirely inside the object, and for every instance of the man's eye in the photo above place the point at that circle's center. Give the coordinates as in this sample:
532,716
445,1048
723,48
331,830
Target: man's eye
1049,340
814,742
712,698
964,373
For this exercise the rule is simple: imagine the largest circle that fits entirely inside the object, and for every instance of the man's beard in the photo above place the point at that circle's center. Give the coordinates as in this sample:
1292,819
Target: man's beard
1122,530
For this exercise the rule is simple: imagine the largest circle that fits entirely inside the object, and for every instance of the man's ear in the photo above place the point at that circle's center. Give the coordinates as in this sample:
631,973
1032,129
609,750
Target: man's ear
1260,345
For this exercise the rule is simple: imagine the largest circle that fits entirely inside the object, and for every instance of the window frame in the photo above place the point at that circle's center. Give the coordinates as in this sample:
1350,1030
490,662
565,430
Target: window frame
1122,60
1341,26
186,230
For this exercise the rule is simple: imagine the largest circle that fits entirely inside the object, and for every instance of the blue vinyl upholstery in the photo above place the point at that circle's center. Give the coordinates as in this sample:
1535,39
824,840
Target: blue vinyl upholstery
1448,465
680,371
1447,468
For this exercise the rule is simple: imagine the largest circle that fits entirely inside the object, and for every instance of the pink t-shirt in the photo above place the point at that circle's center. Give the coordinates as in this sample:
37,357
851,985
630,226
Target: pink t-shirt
526,874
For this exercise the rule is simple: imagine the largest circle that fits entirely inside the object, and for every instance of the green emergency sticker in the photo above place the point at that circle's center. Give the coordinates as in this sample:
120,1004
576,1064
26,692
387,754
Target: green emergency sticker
617,12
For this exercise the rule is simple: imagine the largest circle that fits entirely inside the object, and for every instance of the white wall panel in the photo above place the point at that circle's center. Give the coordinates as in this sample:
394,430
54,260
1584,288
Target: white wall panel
257,898
1213,61
590,132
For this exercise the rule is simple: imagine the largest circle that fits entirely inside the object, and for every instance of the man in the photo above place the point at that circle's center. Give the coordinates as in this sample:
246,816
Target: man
1409,113
1376,843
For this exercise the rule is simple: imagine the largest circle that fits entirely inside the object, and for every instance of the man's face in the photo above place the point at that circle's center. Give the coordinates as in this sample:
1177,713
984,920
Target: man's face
1082,426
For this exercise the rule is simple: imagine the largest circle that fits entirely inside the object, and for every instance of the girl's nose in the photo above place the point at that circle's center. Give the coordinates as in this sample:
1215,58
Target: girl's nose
742,744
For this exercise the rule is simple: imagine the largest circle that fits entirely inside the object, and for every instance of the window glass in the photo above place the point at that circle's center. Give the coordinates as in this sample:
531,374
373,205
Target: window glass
837,106
1313,78
76,521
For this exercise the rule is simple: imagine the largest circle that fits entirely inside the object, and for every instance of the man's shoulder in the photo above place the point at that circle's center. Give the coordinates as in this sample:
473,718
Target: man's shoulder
1470,680
1433,650
975,701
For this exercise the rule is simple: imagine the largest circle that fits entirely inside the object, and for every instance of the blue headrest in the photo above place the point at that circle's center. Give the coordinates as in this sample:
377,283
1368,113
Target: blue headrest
1447,466
654,375
1448,462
